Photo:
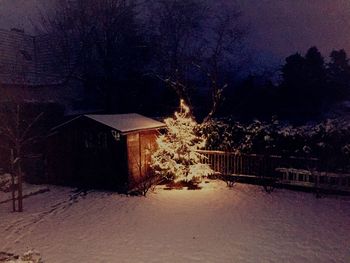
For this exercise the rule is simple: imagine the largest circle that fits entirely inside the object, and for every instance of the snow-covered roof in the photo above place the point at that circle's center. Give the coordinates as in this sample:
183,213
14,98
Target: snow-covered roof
126,122
123,123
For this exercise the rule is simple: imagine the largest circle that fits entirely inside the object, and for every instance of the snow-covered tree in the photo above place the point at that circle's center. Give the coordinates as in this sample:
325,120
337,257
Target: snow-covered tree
177,157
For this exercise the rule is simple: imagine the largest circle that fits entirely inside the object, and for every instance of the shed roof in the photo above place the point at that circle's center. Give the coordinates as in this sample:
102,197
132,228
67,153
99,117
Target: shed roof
127,122
123,123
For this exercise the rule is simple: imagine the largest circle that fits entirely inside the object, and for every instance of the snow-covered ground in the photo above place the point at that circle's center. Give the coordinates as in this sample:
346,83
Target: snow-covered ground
28,189
215,224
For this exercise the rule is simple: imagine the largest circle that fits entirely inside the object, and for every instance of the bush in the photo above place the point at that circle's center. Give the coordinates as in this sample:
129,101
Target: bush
328,140
146,184
178,185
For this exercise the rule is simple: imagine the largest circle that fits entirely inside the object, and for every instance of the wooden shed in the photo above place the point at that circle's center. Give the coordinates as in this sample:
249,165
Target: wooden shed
102,151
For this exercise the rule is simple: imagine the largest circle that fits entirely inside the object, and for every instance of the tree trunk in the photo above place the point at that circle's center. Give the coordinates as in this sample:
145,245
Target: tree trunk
19,178
20,195
13,187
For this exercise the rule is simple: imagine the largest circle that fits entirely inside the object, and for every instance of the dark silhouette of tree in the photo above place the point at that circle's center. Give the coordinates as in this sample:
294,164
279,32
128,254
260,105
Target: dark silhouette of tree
254,97
338,70
293,72
196,47
222,57
309,89
17,134
176,31
316,82
303,89
98,42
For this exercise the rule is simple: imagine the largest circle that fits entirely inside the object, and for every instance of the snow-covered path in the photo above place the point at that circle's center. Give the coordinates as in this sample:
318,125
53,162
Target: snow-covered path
215,224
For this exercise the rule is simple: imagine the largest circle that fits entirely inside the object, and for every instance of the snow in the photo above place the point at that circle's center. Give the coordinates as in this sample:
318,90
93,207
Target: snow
124,123
5,183
127,122
28,189
214,224
30,256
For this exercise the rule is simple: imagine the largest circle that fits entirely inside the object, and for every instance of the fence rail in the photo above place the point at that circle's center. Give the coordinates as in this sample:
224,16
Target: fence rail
228,163
295,171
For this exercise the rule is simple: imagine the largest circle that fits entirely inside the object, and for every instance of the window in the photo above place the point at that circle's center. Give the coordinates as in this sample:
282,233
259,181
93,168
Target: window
301,177
95,141
322,179
88,140
102,140
291,176
333,181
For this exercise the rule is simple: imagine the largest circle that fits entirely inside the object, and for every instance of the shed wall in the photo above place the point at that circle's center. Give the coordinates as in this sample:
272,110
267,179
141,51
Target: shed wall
86,153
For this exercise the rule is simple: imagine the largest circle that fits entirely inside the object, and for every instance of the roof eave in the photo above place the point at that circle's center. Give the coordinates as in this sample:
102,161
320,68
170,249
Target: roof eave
141,130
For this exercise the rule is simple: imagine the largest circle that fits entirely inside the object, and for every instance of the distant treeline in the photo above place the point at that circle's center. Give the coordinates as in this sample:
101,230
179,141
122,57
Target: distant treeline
141,56
309,88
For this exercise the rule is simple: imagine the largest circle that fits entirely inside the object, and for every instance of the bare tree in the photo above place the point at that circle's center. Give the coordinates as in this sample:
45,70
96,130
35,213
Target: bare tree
107,45
18,133
176,31
98,42
222,56
194,35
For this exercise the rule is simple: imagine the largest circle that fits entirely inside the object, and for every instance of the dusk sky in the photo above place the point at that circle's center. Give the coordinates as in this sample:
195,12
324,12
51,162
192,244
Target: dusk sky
277,27
281,27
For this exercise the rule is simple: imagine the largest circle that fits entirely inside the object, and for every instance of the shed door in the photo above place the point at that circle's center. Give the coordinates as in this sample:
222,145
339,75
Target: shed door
140,148
148,146
134,156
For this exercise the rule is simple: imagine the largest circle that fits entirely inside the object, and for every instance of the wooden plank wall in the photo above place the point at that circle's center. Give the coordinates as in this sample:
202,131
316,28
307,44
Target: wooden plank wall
140,148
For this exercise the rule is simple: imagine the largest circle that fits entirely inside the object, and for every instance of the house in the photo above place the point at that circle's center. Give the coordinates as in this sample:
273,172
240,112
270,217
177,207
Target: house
30,70
32,76
102,151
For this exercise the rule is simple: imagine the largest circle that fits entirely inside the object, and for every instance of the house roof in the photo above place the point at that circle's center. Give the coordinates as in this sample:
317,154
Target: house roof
124,123
27,60
127,122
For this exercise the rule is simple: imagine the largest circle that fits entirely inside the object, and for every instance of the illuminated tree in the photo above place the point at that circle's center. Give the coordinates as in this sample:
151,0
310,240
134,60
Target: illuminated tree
177,157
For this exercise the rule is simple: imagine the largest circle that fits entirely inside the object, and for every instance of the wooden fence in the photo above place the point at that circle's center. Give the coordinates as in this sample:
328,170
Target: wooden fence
228,163
305,172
